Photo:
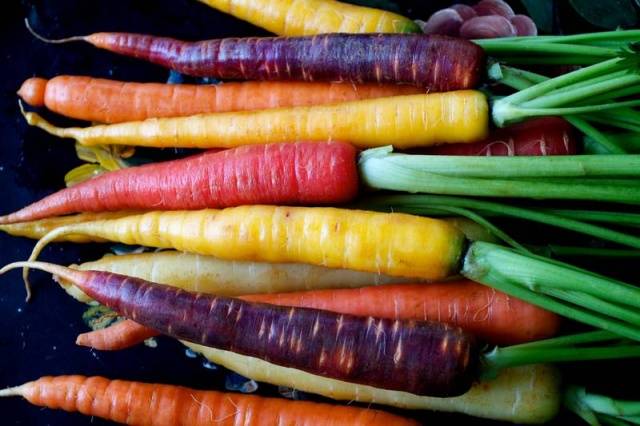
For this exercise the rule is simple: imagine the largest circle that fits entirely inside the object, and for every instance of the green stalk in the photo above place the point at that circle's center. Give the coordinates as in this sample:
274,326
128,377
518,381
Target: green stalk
502,46
617,37
598,336
421,204
522,276
609,410
554,250
527,112
484,176
580,298
595,135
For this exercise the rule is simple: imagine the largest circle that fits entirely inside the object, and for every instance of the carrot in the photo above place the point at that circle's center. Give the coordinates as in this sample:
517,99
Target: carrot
390,243
541,136
136,403
404,121
529,394
425,358
227,277
491,315
432,62
38,228
308,17
301,173
110,101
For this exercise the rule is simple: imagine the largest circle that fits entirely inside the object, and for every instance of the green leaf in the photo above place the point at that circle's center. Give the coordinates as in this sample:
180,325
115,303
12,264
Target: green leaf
378,4
541,11
607,14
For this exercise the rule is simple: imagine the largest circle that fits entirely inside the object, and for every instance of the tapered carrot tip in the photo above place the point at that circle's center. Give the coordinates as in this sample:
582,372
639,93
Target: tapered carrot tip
32,91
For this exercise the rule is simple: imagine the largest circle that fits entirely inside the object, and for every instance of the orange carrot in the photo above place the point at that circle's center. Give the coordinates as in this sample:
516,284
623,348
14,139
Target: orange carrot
135,403
110,101
489,314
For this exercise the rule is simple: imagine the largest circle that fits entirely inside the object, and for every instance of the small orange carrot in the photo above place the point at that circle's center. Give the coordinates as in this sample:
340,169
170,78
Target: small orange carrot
109,101
489,314
147,404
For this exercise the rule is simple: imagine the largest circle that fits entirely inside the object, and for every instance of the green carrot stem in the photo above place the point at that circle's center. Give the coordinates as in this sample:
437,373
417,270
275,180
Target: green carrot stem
598,336
551,84
618,218
583,299
521,275
587,82
583,60
537,272
501,358
421,203
583,92
499,47
613,407
497,232
617,37
608,420
554,250
520,113
595,135
628,141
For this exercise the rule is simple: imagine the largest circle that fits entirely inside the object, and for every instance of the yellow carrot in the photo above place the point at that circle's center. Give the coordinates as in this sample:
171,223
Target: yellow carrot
401,121
529,394
308,17
39,228
390,243
208,274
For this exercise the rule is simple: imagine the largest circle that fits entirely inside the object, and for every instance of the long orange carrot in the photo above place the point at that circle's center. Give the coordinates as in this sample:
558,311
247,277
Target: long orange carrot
147,404
491,315
110,101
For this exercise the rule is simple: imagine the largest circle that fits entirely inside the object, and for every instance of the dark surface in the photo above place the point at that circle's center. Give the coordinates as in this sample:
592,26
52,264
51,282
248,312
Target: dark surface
37,338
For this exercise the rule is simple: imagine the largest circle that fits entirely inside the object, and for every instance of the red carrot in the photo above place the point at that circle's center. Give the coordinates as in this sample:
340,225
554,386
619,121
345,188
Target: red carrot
300,173
110,101
148,404
436,63
542,136
489,314
425,358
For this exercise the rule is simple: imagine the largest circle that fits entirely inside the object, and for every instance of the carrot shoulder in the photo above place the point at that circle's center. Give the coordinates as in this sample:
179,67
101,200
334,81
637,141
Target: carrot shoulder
136,403
110,101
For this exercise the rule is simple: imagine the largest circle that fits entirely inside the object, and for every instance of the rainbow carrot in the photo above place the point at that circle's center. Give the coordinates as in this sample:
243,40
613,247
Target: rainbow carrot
109,101
301,173
135,403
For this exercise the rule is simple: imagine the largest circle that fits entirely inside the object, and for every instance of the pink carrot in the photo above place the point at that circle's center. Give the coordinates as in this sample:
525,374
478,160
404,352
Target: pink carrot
300,173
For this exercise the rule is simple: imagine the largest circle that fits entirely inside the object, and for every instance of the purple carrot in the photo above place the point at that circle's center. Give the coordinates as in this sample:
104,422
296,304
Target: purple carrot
424,358
436,63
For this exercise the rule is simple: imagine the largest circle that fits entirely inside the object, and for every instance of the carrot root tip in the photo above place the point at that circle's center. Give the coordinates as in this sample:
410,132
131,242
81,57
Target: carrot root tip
14,391
48,40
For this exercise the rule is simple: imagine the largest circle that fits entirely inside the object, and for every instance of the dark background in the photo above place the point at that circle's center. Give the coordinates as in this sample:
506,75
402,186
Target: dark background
37,338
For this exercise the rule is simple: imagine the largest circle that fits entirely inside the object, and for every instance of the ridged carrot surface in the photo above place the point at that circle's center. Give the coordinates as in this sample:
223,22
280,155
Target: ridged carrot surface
389,243
308,17
491,315
401,121
290,174
146,404
110,101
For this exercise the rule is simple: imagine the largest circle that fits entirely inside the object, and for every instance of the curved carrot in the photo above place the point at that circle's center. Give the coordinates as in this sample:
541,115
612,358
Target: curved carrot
146,404
301,173
403,121
489,314
435,63
541,136
308,17
110,101
425,358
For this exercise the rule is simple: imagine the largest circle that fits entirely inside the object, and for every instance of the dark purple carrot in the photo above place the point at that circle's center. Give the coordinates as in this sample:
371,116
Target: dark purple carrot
436,63
424,358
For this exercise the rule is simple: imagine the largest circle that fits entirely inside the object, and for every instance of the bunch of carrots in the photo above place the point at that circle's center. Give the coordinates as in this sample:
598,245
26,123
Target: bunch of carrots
278,265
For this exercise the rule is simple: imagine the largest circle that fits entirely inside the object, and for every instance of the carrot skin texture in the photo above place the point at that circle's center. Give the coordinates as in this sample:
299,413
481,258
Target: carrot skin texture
301,173
425,358
393,244
435,63
110,101
307,17
402,121
146,404
492,316
542,136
